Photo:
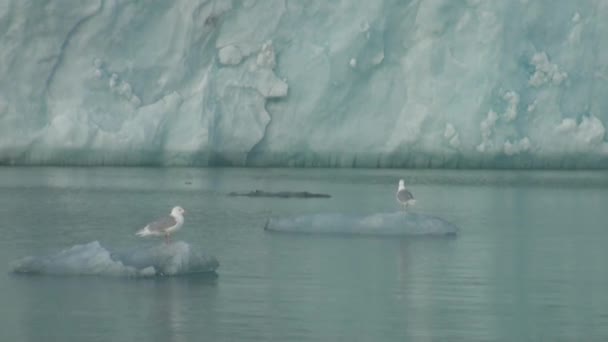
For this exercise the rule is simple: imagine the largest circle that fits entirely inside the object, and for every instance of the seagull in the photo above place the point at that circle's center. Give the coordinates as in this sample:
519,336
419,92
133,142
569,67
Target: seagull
164,226
404,197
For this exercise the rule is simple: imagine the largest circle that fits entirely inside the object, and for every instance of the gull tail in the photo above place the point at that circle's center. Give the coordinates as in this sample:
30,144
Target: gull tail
144,232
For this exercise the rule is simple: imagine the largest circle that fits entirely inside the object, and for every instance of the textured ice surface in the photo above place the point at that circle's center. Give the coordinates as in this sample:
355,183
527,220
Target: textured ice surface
177,258
381,224
433,83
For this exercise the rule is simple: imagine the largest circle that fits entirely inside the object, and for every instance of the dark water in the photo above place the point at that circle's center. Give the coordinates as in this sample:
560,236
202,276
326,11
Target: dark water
529,263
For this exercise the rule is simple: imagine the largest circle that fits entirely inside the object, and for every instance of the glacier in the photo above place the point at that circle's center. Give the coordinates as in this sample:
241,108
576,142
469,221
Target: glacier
381,83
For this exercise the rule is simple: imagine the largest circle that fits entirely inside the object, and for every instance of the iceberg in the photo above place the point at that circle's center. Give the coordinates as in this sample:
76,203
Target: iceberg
381,83
177,258
379,224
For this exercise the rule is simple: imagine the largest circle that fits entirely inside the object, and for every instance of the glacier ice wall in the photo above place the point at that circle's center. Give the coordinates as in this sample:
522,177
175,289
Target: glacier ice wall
382,83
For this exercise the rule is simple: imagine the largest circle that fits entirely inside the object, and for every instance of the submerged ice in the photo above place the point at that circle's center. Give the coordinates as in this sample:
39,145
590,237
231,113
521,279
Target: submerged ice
380,224
377,83
178,258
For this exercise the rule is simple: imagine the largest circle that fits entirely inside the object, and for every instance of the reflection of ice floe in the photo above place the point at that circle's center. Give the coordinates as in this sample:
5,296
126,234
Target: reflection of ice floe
381,224
177,258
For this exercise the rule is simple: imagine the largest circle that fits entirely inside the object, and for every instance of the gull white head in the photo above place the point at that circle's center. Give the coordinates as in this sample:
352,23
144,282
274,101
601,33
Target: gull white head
401,184
177,211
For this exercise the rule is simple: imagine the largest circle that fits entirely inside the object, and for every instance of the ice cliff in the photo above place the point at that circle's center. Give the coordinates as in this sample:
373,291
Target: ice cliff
382,83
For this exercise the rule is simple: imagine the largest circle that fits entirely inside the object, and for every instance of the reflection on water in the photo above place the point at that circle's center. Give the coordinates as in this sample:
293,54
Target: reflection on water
527,264
94,308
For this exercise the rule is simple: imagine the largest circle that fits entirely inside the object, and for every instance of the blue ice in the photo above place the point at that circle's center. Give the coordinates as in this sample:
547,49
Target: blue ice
380,224
177,258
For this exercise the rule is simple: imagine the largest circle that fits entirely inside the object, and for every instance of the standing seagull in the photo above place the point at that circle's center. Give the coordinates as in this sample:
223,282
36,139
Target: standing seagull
404,197
166,225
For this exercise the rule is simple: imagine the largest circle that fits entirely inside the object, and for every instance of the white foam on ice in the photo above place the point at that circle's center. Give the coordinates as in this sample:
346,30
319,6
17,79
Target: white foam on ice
586,135
230,55
513,148
546,72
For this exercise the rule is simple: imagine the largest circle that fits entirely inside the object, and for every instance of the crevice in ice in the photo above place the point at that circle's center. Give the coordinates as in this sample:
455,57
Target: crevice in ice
250,155
66,42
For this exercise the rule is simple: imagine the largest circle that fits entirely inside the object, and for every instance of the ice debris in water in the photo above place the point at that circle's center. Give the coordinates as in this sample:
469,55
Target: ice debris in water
380,224
177,258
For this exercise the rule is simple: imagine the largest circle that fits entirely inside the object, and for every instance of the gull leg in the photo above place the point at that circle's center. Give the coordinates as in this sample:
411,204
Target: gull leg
167,239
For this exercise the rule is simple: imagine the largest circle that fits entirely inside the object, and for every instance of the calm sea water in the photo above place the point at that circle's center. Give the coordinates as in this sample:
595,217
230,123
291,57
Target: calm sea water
529,263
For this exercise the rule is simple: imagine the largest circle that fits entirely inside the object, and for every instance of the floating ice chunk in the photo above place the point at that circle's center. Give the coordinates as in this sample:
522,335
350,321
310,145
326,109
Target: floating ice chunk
353,63
381,224
230,55
177,258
